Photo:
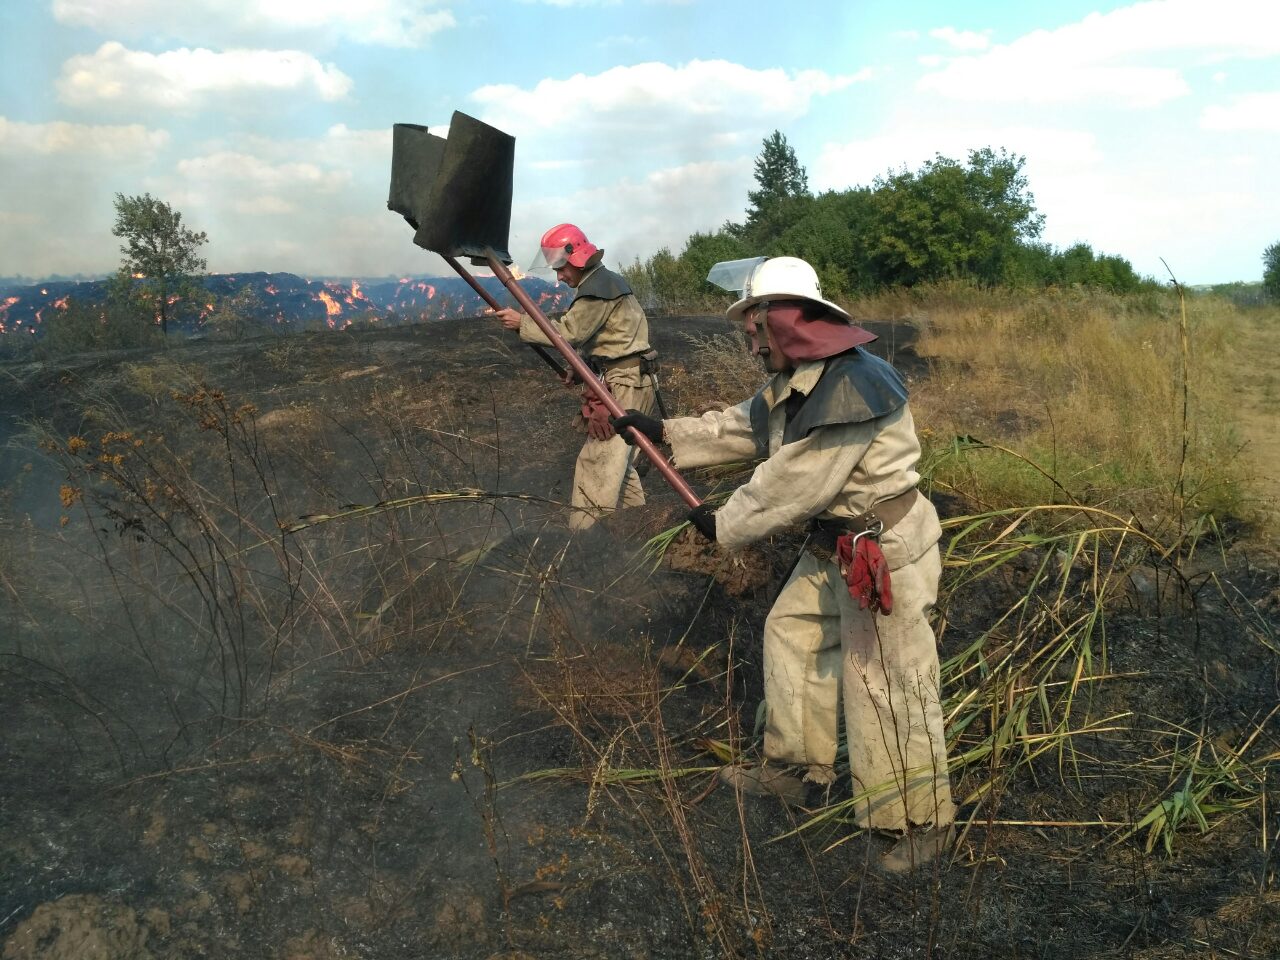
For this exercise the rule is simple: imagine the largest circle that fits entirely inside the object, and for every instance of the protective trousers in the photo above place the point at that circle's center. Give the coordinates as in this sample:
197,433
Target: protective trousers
605,477
820,648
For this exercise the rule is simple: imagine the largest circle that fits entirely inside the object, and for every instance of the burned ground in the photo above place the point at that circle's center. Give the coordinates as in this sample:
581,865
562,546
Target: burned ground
313,669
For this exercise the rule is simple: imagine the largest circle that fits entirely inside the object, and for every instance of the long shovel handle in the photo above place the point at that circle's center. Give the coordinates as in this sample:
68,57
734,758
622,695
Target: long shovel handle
488,298
593,384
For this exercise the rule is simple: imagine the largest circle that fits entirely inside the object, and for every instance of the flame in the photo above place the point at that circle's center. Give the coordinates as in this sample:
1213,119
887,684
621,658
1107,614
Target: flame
516,272
271,289
429,290
403,281
138,276
6,304
44,292
331,306
61,302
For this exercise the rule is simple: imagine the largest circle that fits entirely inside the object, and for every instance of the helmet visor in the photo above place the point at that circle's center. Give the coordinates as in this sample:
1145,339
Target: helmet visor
550,258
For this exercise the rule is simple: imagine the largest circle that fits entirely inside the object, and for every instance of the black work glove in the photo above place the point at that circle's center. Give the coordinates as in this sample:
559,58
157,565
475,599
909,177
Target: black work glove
649,426
703,516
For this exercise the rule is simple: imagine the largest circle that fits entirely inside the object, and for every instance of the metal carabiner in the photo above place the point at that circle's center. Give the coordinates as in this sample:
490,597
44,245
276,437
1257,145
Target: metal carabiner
872,531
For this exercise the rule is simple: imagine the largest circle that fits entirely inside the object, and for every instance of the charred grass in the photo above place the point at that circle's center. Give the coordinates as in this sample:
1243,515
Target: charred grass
313,669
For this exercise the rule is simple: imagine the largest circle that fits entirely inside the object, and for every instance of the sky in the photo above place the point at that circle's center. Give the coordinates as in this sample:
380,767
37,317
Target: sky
1150,130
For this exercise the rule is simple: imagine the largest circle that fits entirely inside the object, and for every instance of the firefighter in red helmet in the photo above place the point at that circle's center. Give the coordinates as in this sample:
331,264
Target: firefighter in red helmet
609,328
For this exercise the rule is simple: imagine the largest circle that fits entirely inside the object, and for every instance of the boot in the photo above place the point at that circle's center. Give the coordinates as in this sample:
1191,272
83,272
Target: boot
918,847
765,781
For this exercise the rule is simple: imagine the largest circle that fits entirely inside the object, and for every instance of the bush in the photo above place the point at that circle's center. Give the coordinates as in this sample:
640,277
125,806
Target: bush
119,323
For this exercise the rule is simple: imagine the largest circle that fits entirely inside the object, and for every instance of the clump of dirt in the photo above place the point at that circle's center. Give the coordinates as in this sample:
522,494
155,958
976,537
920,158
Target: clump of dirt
740,572
80,927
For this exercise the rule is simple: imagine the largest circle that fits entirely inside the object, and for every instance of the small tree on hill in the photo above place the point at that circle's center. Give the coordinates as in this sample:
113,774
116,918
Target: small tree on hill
782,181
158,248
1271,271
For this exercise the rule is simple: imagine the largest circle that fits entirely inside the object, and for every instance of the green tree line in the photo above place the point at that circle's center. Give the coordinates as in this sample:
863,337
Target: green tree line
974,221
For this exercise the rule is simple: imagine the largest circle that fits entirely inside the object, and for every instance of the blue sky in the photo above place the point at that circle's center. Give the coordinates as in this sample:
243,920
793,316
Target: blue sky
1150,130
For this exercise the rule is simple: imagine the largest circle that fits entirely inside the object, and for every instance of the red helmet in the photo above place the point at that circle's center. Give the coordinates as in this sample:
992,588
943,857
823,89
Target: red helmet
565,243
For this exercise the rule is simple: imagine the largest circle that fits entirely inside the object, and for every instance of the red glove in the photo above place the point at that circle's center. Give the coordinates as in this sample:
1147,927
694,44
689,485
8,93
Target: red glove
866,572
597,415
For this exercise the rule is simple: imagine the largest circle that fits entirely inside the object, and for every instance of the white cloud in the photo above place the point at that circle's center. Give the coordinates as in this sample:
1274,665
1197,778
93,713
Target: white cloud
708,94
264,205
1258,112
634,217
59,179
1109,57
1048,151
962,39
116,143
230,169
185,79
307,206
10,219
391,23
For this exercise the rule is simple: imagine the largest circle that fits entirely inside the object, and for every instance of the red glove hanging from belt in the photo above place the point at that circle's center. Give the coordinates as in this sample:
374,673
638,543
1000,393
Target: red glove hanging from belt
596,415
865,570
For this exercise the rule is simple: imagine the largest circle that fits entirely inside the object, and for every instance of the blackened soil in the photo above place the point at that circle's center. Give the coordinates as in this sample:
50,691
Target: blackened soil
453,729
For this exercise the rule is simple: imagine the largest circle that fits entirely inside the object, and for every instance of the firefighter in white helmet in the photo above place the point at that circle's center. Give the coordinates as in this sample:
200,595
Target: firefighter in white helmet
851,623
609,328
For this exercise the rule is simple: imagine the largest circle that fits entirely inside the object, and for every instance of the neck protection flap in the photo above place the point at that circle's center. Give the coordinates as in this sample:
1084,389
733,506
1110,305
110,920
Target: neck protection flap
815,339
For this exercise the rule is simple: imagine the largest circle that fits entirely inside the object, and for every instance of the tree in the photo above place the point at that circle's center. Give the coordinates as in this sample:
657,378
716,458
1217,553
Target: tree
782,182
949,220
158,249
1271,271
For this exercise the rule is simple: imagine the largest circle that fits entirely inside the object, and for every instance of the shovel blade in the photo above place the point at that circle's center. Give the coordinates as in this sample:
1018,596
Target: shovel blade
415,160
455,192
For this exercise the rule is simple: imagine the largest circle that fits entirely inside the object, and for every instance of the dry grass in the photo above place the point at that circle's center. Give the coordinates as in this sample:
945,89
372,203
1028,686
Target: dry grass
1089,387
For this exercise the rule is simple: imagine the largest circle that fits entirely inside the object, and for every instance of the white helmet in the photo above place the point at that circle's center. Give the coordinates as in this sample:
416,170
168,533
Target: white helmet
783,278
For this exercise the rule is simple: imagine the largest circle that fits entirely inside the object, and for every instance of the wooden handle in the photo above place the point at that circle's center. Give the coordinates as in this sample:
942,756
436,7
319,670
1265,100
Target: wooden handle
492,301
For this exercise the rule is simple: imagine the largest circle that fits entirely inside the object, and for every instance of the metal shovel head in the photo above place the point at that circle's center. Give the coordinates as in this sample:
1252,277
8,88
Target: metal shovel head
457,190
415,159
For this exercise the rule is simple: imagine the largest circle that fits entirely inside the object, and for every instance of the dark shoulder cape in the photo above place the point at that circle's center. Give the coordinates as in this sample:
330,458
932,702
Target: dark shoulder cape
856,386
603,284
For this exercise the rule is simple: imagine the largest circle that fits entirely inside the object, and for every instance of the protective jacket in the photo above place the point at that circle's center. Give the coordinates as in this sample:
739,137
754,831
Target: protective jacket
839,439
604,321
608,326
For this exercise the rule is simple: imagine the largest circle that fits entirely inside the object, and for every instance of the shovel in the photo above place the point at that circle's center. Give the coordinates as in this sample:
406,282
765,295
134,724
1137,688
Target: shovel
456,193
414,154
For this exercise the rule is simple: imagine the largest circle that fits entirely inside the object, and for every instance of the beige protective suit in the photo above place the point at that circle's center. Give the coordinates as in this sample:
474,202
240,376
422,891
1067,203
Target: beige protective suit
819,647
611,333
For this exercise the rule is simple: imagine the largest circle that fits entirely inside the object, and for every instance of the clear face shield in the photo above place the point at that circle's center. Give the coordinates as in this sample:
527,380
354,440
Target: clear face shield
549,259
732,275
